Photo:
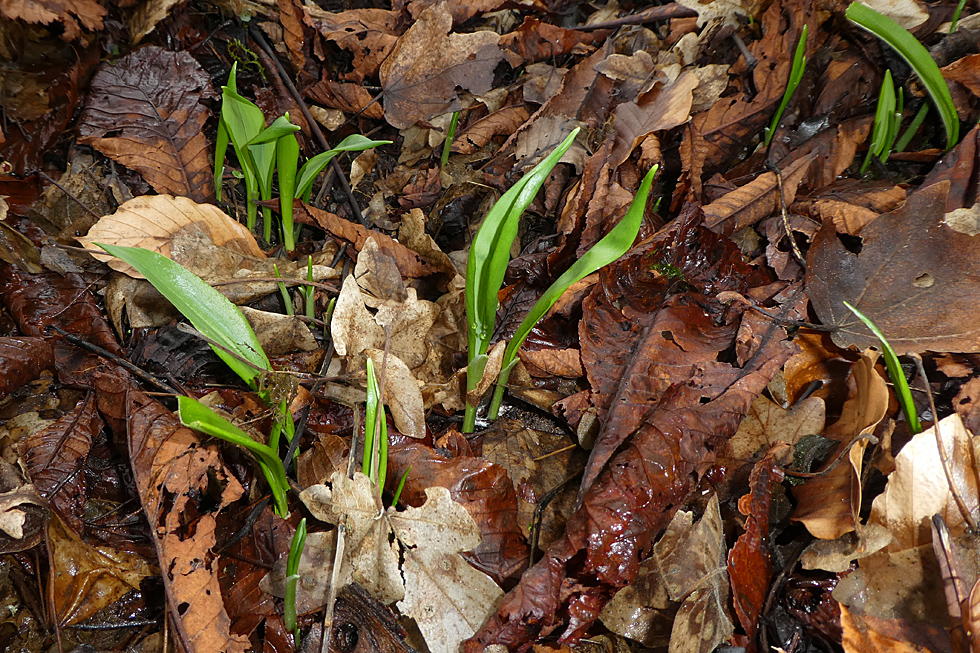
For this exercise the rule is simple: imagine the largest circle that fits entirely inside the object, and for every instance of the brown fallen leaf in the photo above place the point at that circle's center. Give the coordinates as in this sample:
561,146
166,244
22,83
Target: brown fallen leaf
87,12
145,112
462,10
23,360
145,18
401,393
553,362
160,223
504,121
535,40
351,98
426,65
369,34
410,263
659,109
828,505
755,200
915,278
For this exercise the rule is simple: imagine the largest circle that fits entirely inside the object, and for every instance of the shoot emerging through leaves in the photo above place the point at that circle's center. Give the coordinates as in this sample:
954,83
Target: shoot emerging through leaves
795,75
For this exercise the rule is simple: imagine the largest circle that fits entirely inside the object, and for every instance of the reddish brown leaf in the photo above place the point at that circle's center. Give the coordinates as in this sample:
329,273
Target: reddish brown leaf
662,108
668,431
173,469
369,34
291,16
350,98
410,264
38,300
915,278
144,111
535,40
958,167
428,63
483,488
54,458
22,360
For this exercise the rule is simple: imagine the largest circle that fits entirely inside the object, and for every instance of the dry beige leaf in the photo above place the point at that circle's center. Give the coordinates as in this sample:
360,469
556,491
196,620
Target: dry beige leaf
279,334
553,362
145,18
637,73
369,558
352,326
157,223
410,322
362,165
544,135
377,274
768,423
426,65
447,597
402,394
412,234
490,372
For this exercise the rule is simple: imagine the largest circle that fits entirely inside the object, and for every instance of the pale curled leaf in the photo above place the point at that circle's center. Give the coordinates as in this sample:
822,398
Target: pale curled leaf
401,393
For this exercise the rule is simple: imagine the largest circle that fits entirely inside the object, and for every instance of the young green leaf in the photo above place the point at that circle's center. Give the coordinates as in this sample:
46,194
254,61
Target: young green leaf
206,309
280,127
916,55
613,245
884,121
243,121
193,414
448,144
310,169
487,263
795,75
287,158
292,578
894,371
375,431
220,150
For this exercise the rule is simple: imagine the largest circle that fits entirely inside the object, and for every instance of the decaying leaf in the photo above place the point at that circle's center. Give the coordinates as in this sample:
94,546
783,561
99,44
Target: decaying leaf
144,111
401,393
426,65
87,12
448,598
915,278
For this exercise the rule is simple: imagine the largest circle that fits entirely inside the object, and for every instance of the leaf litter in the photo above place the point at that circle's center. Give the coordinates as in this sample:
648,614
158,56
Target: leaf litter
670,452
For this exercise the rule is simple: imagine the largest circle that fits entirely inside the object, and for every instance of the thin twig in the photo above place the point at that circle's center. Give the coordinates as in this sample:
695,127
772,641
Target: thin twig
943,456
653,14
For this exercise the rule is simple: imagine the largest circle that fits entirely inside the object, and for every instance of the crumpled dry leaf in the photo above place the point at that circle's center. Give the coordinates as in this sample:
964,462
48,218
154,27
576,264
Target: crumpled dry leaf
145,112
279,334
369,34
660,109
87,12
447,597
426,65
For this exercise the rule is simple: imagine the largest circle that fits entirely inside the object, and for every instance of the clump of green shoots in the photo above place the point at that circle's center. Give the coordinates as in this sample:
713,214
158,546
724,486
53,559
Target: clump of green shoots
262,151
374,460
795,75
894,372
487,263
888,119
917,57
613,245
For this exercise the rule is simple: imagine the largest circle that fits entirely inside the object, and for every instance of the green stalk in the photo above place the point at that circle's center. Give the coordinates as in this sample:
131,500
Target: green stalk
292,578
448,144
795,75
613,245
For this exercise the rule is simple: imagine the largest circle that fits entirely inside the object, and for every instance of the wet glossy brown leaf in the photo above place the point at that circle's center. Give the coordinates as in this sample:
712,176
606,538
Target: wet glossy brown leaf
145,112
426,65
55,458
22,360
915,278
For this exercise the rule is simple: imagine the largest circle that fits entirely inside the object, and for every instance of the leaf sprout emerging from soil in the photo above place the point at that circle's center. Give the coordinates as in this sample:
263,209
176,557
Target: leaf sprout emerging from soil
795,75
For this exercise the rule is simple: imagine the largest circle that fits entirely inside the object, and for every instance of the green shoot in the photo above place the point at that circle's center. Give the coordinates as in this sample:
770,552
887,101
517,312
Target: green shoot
795,75
917,57
292,578
895,372
309,292
956,16
310,169
375,458
401,486
448,144
242,121
913,127
286,299
193,414
888,119
487,263
613,245
206,309
276,148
